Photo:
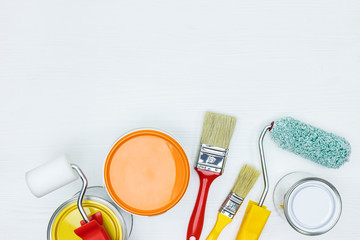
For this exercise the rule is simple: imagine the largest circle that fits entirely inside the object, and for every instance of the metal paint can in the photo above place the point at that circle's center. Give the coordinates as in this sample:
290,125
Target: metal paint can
311,205
66,217
146,172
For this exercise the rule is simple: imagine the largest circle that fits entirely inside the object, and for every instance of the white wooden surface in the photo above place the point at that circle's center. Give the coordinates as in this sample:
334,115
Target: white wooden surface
77,74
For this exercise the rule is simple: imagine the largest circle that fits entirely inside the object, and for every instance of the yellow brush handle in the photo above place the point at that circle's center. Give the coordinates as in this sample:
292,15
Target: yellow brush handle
221,222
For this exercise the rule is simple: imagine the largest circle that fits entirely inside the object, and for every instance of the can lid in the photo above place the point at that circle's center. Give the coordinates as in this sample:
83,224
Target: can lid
68,219
312,206
146,172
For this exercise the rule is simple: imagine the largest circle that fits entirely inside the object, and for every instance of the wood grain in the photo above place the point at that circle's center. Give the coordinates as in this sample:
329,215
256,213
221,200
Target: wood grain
75,75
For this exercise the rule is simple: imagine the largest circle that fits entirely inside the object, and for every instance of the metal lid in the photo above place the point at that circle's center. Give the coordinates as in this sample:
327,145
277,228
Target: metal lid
312,206
67,217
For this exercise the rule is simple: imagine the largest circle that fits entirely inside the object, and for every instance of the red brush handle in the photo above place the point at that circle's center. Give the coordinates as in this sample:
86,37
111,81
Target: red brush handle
197,217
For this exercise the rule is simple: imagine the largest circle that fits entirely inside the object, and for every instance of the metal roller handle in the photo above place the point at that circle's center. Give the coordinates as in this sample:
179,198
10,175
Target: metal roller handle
82,192
263,164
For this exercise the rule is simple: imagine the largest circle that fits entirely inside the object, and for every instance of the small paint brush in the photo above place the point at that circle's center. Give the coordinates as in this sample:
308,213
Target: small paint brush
215,140
243,184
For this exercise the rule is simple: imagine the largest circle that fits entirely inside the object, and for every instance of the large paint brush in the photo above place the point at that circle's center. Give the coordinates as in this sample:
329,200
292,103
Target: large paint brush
242,186
215,140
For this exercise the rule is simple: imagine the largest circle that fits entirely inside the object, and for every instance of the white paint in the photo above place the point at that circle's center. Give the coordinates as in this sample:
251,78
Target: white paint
76,75
313,207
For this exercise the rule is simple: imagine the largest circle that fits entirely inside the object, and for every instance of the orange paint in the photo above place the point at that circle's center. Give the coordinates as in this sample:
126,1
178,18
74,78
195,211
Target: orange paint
146,172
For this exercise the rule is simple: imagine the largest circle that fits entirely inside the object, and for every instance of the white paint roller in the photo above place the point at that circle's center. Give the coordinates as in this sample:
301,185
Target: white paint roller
50,176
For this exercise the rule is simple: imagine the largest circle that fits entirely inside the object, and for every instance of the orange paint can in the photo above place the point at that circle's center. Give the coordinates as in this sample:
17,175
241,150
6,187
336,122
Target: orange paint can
146,172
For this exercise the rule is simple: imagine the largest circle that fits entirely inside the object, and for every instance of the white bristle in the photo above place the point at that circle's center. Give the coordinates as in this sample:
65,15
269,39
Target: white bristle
245,180
217,130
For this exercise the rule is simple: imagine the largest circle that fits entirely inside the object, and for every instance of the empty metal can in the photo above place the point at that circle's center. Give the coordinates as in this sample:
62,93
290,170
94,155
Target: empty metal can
67,217
311,205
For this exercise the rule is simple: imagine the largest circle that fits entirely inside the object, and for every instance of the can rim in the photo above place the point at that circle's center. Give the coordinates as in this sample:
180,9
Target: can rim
286,206
148,213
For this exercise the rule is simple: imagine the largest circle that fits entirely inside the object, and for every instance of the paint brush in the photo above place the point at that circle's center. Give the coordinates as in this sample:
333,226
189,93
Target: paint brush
242,186
214,145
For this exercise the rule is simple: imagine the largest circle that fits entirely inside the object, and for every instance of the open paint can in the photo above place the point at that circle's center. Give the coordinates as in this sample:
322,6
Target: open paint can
311,205
146,172
65,219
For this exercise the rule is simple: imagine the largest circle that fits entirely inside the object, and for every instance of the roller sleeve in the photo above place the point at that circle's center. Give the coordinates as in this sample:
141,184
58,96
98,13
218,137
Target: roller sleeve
50,176
310,142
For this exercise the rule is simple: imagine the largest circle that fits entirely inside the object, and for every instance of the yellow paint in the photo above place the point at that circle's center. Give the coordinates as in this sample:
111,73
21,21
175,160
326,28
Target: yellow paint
69,219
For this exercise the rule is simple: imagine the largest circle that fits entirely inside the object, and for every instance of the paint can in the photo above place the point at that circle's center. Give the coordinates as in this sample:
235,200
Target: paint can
146,172
311,205
67,216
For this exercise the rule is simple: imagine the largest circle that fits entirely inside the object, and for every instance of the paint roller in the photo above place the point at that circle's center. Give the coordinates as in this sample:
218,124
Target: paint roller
305,140
60,172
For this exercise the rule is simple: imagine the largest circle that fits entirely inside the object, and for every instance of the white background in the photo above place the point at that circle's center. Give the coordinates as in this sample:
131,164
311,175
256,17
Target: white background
75,75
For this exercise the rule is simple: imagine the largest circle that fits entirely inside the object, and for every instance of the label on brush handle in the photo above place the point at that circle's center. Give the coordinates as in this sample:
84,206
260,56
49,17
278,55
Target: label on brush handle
212,158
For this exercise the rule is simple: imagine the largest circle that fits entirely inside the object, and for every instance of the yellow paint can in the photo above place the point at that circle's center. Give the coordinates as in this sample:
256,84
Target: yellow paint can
67,217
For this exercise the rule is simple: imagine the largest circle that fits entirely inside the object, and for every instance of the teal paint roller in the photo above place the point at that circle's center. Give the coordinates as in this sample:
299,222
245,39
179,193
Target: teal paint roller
310,142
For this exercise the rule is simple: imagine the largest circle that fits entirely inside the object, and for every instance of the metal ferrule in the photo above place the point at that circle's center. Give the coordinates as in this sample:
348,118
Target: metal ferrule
231,205
212,158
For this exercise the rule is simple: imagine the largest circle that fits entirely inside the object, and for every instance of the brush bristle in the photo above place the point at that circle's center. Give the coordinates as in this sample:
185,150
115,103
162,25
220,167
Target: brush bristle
245,181
217,129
